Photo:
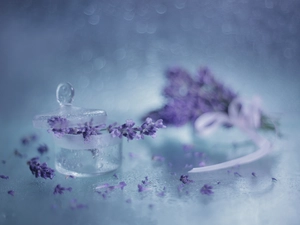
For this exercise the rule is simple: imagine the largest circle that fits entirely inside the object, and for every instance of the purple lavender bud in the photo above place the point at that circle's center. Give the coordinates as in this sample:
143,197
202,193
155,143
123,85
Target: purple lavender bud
141,188
60,190
42,149
206,190
40,170
185,179
4,177
122,184
11,192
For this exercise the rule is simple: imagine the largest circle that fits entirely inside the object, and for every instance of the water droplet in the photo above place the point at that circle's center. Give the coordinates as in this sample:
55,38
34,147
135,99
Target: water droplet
151,28
94,19
65,94
180,4
161,9
128,15
90,9
99,63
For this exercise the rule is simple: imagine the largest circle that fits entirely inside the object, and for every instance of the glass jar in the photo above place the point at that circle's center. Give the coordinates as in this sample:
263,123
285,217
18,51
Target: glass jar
75,155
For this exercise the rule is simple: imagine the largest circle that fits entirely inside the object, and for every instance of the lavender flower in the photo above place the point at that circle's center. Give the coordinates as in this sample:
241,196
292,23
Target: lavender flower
59,126
188,97
122,184
42,149
11,192
4,177
60,190
29,139
185,179
206,190
40,170
143,186
129,130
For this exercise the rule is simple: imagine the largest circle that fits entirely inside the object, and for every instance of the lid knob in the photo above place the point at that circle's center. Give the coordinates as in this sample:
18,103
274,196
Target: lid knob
65,94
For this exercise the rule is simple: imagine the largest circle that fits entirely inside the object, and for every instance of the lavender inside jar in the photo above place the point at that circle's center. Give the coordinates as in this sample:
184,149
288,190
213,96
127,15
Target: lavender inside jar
80,149
75,156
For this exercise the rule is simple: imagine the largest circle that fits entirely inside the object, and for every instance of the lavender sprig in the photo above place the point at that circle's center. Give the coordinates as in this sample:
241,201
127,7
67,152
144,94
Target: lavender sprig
185,179
60,190
4,177
42,149
59,126
206,190
40,170
189,97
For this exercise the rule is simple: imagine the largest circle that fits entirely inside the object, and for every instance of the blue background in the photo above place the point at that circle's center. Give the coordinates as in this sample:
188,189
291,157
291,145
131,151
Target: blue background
115,54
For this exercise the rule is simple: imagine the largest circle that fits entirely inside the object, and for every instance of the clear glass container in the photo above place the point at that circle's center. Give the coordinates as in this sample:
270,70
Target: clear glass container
74,155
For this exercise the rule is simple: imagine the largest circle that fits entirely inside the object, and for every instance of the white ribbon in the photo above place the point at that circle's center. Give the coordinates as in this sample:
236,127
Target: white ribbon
242,114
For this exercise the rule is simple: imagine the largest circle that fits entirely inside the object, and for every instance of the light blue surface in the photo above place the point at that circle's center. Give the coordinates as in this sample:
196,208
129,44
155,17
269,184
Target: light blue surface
115,53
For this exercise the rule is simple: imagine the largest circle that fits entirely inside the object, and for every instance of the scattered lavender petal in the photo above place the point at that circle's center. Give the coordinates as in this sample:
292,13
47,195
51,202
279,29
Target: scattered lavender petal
115,176
253,174
185,179
122,184
274,179
42,149
60,190
11,192
206,190
128,200
3,161
40,170
4,177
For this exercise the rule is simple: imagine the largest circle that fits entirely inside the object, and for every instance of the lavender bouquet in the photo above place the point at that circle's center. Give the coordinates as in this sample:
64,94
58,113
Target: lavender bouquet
207,103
